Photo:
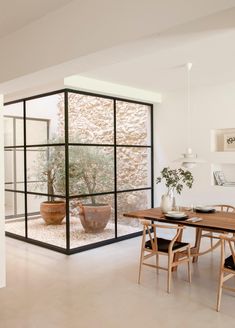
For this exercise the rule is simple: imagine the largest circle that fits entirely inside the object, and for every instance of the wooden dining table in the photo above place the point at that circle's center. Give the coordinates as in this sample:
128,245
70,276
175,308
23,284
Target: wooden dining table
214,222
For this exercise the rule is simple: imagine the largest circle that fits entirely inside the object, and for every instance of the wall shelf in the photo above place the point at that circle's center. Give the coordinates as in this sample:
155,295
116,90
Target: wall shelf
223,140
223,171
226,187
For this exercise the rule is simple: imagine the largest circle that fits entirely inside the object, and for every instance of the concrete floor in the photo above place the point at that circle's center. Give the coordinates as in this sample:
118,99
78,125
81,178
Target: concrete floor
98,288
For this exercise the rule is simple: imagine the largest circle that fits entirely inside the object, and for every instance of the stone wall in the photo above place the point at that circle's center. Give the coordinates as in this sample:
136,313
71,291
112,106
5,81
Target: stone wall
91,120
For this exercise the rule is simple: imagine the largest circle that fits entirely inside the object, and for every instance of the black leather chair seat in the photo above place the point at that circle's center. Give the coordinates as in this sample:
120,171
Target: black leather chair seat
229,263
163,245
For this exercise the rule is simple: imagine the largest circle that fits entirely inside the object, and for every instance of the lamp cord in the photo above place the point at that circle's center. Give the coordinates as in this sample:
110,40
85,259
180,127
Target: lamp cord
189,66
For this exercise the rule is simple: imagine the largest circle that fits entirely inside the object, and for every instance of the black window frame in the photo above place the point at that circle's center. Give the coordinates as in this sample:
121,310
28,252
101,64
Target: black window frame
67,144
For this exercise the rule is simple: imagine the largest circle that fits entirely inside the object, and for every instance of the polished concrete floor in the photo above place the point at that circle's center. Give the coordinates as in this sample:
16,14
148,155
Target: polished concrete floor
98,288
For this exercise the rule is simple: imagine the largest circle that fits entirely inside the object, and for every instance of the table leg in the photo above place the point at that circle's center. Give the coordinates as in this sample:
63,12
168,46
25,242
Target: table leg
197,243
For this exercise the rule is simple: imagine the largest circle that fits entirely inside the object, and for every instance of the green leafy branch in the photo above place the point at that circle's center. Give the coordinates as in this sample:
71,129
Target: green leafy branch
175,179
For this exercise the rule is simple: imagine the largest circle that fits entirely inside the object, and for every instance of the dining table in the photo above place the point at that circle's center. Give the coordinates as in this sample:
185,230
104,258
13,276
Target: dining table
214,221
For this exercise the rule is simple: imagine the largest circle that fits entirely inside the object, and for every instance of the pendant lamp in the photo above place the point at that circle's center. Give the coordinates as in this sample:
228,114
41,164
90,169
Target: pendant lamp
189,159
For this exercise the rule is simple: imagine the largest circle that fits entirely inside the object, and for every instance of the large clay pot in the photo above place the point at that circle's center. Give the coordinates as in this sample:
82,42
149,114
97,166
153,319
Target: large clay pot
53,212
94,218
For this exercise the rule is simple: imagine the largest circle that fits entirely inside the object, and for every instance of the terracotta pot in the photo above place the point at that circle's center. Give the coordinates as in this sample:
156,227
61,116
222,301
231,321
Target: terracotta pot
53,212
94,218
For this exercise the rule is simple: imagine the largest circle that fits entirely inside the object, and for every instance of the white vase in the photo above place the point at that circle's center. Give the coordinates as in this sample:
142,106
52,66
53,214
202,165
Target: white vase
166,203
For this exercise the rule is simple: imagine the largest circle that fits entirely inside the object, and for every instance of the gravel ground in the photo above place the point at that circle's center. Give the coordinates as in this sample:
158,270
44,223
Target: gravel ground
55,234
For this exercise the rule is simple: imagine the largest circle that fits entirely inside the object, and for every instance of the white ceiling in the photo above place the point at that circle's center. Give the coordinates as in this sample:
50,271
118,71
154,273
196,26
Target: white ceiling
15,14
140,44
159,63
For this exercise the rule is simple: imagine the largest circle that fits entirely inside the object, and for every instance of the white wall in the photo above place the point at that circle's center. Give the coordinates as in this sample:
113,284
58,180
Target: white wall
211,108
2,216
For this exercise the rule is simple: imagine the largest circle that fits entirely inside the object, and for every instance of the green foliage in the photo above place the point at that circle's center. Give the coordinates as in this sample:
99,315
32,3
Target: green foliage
49,169
176,179
90,169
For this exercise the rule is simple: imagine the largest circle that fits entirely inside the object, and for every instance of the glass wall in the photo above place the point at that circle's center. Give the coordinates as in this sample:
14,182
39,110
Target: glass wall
74,163
14,169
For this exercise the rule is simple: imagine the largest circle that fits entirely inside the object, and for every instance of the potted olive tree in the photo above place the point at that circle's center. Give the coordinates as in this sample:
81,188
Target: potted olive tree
50,171
91,171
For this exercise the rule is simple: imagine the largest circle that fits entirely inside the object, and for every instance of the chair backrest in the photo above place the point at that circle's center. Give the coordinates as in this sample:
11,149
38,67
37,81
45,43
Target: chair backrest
150,230
224,208
230,241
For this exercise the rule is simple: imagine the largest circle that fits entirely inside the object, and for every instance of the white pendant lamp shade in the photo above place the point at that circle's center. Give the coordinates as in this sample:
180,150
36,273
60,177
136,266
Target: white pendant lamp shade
189,159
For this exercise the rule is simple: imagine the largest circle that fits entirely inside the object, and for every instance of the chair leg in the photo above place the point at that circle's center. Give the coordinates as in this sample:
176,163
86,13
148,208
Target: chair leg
219,293
141,255
189,266
157,263
170,260
211,240
140,265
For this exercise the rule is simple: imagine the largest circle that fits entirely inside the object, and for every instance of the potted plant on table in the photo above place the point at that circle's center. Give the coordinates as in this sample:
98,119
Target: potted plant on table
175,179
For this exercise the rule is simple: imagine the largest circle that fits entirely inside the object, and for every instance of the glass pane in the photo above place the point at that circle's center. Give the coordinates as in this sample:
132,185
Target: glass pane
19,153
94,222
9,168
42,135
133,167
90,119
46,170
15,213
91,170
13,125
131,201
46,116
46,220
10,203
19,131
8,131
133,123
14,168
